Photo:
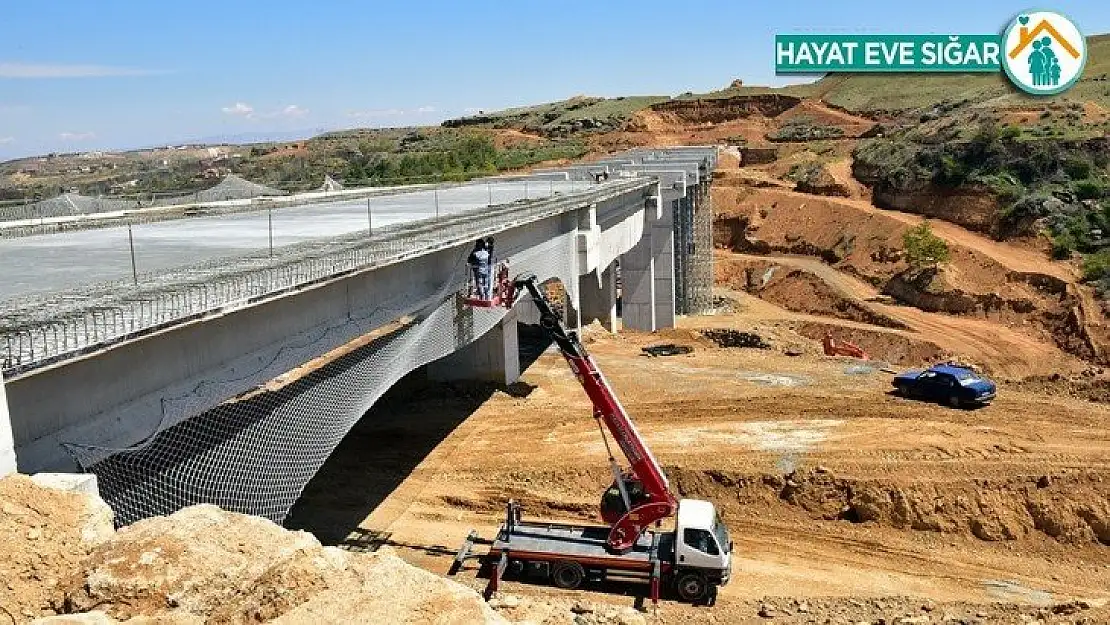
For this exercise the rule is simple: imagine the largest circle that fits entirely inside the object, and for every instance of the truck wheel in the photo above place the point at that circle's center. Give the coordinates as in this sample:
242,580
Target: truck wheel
567,575
904,391
691,587
954,401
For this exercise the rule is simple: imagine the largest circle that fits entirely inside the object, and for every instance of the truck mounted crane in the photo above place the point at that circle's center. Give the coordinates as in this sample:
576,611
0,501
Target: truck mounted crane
695,558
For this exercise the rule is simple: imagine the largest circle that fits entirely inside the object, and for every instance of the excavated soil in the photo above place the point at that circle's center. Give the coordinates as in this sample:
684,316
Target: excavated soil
44,535
1011,286
892,347
795,289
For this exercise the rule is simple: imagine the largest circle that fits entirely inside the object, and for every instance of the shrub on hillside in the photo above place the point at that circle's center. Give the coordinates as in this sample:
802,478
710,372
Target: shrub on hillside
803,129
923,248
1096,266
1089,190
1077,169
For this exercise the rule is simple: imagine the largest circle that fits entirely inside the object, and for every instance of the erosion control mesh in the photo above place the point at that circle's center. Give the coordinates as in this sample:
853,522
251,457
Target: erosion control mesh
256,452
233,187
65,205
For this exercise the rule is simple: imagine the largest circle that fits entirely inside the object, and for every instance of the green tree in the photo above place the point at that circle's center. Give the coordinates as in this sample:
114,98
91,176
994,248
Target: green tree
923,248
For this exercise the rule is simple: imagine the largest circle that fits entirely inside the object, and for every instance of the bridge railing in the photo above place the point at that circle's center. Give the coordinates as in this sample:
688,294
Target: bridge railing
121,312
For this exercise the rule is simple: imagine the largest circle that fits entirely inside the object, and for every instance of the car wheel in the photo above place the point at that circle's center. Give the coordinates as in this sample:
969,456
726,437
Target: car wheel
954,401
691,587
904,391
568,575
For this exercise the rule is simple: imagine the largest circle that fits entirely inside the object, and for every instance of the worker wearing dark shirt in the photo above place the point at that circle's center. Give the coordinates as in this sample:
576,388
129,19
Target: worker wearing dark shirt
480,262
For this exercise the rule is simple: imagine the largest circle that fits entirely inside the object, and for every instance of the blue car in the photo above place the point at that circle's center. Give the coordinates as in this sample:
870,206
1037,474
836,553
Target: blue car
956,386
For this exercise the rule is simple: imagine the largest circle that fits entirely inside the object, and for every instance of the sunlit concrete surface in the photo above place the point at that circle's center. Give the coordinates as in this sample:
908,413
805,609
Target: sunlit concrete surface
57,262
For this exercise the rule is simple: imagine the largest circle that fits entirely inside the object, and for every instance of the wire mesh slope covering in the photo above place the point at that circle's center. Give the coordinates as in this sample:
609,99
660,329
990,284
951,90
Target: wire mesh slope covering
233,187
65,205
256,453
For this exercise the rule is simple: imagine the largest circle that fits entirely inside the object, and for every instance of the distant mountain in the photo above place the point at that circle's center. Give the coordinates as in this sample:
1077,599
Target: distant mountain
240,138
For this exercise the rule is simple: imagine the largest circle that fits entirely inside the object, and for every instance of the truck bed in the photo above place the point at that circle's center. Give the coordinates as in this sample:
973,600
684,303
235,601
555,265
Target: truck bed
583,543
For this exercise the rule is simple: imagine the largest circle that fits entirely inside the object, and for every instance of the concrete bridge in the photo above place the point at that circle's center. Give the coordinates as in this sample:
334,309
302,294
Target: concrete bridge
384,303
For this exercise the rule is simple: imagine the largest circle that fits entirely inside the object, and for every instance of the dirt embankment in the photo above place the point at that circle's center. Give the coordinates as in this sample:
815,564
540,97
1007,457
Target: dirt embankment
44,535
973,208
1072,508
215,566
796,290
715,111
984,279
62,562
889,347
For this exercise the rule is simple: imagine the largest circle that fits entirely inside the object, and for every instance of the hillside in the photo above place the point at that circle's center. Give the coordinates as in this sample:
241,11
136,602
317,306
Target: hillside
363,156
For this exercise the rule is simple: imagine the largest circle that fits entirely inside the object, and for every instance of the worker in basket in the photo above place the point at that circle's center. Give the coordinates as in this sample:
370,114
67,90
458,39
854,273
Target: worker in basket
480,262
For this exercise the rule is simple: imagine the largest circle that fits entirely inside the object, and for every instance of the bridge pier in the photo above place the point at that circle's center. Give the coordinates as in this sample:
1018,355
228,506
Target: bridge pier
599,301
647,274
7,443
662,251
493,357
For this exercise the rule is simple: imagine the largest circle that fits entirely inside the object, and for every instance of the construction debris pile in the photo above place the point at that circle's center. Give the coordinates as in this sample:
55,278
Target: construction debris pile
59,555
61,561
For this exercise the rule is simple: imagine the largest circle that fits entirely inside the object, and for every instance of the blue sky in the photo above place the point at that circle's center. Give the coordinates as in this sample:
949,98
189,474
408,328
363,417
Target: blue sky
109,74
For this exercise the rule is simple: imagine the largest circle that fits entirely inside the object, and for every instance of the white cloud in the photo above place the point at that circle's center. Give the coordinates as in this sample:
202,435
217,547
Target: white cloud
426,109
371,113
246,111
76,136
239,108
6,140
49,70
293,111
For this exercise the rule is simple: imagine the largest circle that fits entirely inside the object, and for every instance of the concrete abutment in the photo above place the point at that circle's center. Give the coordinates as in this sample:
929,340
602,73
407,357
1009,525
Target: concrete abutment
7,443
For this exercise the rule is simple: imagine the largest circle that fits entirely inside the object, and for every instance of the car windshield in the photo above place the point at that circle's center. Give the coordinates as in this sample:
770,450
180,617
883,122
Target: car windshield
965,377
721,532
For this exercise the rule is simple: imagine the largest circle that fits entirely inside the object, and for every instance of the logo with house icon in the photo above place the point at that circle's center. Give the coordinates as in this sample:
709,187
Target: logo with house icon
1043,52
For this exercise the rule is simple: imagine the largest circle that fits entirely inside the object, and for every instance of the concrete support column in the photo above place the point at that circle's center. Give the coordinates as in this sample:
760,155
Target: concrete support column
599,301
662,251
638,282
493,357
7,443
637,276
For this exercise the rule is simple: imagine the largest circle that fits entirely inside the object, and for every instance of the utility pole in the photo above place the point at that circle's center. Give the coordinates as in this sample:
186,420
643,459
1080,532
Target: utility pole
270,220
435,194
489,187
369,219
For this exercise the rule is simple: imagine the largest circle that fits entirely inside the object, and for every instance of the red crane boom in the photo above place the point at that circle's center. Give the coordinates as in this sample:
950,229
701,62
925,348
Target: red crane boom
641,496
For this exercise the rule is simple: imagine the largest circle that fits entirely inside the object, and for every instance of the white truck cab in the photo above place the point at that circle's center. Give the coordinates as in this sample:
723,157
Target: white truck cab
703,549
